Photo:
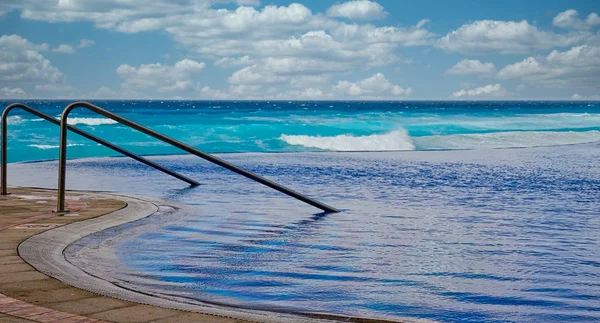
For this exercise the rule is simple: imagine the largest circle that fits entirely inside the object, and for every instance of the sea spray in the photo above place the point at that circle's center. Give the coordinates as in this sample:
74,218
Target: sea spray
395,140
91,121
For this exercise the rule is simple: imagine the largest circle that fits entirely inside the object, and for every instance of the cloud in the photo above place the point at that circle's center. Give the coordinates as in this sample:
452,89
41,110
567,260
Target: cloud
576,67
12,93
162,78
223,32
243,91
105,92
64,49
55,88
311,88
585,97
311,93
274,44
70,49
374,86
233,61
506,37
84,43
472,67
21,61
492,90
357,10
570,19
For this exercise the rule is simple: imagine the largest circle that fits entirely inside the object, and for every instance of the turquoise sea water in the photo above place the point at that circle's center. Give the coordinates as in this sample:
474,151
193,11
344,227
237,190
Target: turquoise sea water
427,231
310,126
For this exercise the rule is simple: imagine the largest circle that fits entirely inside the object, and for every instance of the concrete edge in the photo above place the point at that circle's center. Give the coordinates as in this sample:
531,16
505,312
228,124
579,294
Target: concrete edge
45,252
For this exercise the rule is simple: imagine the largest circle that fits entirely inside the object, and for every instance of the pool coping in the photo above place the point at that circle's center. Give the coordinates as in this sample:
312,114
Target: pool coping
45,252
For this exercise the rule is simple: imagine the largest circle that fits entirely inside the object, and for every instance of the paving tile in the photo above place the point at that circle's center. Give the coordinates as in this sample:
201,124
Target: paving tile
55,295
195,317
14,268
53,316
9,260
31,311
33,285
91,305
6,300
79,319
21,277
135,314
8,253
12,319
14,307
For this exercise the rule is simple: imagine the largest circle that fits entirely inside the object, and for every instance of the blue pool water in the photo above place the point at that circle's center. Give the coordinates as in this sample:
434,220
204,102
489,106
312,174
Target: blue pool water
482,235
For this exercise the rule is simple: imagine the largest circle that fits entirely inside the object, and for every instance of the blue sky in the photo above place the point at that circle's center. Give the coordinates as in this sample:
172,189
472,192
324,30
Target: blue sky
251,49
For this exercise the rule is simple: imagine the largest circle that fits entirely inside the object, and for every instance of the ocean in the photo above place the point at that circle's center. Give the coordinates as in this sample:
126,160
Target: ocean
451,211
228,126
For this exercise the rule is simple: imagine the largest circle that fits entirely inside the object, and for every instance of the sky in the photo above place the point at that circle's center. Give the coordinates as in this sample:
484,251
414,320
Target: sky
300,50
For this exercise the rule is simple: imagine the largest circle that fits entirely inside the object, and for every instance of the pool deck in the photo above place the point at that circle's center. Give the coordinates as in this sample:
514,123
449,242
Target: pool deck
27,295
29,230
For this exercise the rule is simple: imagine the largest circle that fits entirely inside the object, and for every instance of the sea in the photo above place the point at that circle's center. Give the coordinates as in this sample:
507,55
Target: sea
451,211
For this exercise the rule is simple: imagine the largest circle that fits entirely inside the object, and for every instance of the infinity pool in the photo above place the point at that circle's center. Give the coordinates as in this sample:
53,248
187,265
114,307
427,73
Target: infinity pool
507,235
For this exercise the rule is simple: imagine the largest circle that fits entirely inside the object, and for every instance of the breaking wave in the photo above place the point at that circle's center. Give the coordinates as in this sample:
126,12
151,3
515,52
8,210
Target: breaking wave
395,140
400,140
46,147
91,121
14,120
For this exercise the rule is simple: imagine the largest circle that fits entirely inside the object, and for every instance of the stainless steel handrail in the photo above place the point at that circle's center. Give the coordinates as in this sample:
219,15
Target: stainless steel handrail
79,132
63,156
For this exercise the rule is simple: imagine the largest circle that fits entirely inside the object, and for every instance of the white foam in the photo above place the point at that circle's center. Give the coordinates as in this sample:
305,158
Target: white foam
91,121
395,140
506,140
15,120
45,147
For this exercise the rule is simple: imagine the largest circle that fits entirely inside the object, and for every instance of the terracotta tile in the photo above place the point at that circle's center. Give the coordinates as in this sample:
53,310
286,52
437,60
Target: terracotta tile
52,316
31,311
14,307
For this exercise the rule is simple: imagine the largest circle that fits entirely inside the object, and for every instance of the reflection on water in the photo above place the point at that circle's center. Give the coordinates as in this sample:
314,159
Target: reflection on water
463,236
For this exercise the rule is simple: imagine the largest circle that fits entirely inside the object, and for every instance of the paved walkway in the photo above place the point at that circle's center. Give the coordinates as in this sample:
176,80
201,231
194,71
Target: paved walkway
27,295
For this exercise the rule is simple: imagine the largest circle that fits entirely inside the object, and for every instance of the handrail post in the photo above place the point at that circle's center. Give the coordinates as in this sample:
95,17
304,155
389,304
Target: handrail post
62,165
171,141
4,150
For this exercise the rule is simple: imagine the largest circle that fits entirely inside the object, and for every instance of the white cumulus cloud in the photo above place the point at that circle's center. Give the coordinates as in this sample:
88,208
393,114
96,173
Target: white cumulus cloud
505,37
585,97
233,61
21,61
86,43
180,77
472,67
375,86
570,19
64,49
576,67
357,10
492,90
281,46
71,49
12,93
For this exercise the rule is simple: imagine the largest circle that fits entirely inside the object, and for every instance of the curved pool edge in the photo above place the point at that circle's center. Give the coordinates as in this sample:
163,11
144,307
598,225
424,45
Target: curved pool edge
45,252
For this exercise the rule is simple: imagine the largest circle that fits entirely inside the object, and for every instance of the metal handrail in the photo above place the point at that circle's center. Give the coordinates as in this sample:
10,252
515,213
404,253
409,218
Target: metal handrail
63,156
82,133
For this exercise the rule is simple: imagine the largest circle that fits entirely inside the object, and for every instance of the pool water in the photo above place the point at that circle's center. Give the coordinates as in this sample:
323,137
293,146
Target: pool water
491,235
